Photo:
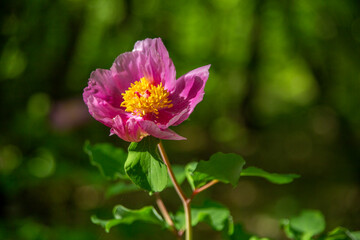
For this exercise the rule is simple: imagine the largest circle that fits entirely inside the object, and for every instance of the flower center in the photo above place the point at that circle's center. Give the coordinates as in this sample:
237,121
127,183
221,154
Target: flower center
142,98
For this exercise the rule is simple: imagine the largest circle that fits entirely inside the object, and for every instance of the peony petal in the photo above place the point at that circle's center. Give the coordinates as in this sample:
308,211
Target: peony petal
132,66
156,51
166,118
128,68
152,129
102,86
102,111
189,91
129,130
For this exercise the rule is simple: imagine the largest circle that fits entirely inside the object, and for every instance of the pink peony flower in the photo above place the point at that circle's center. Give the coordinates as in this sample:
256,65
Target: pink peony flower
140,96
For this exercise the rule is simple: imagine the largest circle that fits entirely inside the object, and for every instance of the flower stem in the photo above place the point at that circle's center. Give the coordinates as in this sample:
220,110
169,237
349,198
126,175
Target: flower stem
185,201
188,225
166,215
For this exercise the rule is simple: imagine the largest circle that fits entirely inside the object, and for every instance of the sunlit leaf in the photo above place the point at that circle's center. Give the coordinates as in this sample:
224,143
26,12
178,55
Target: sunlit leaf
239,233
258,238
309,222
189,169
285,224
144,165
356,235
123,215
304,226
272,177
224,167
108,159
212,213
341,233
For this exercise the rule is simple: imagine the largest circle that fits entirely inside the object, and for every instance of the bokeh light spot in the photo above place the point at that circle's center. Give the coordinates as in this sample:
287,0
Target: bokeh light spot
10,158
12,62
38,105
43,165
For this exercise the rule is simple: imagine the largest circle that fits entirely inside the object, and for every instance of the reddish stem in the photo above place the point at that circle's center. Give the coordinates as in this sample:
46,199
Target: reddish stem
185,201
166,215
200,189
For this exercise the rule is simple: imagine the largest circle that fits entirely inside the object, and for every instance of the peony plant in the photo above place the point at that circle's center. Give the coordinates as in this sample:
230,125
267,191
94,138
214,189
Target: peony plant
140,96
139,99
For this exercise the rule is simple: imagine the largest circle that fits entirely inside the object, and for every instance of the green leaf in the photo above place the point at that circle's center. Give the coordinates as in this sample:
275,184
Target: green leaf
310,222
304,226
223,167
355,235
108,159
123,215
239,233
212,213
341,233
258,238
144,165
189,169
285,224
120,188
272,177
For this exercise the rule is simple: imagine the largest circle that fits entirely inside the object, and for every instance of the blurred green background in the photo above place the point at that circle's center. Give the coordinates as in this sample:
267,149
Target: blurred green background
284,92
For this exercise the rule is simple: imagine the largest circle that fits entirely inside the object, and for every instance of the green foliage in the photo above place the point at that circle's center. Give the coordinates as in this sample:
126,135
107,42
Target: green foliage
238,233
355,235
108,159
123,187
341,233
189,170
311,223
145,167
212,213
228,168
258,238
123,215
224,167
304,226
272,177
147,171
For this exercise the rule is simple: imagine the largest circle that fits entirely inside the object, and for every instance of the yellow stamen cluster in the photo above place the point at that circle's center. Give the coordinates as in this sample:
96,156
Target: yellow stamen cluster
142,98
